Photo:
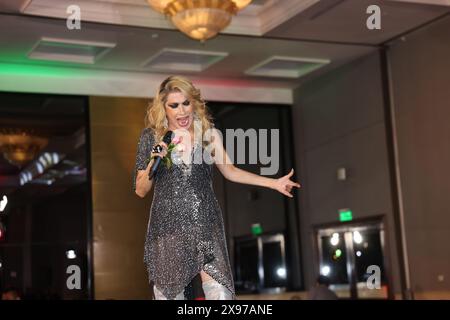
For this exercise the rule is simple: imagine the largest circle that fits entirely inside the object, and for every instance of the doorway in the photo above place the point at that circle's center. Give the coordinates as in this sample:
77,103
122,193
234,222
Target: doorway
353,257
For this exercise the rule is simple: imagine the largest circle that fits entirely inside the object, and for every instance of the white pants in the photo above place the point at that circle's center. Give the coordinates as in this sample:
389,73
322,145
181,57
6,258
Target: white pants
212,289
216,291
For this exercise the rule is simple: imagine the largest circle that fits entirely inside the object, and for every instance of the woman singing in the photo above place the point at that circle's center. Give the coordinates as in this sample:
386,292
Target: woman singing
185,234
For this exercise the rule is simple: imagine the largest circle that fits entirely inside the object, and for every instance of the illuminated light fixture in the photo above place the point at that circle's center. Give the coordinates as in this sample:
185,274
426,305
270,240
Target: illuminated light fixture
20,146
357,237
281,272
25,177
159,5
358,253
55,157
337,254
48,157
3,203
199,19
70,254
334,239
43,161
325,270
40,167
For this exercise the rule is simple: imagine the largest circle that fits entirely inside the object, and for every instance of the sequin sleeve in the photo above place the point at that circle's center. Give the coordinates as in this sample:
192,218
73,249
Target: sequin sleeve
145,144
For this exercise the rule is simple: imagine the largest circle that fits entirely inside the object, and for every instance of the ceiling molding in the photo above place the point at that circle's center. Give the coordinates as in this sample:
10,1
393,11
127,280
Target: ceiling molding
432,2
254,20
14,6
271,15
279,14
99,11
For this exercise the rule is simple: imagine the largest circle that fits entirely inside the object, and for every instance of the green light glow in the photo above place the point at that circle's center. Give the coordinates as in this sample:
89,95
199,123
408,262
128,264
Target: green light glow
256,229
345,215
37,70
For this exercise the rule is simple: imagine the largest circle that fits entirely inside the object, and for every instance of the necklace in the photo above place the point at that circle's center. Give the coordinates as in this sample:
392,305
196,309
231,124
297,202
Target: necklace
184,160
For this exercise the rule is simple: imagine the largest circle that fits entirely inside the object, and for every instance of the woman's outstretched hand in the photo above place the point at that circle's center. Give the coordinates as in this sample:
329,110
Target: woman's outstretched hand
285,185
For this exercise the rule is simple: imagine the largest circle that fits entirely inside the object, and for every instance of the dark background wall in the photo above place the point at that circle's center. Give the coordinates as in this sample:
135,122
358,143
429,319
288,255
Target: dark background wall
244,205
338,121
50,214
38,235
420,70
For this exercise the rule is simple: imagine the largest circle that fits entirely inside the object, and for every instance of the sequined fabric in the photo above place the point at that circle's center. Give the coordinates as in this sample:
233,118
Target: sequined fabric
185,233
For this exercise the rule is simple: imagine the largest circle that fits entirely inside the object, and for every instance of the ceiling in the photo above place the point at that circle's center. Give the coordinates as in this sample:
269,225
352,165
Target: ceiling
327,20
330,30
344,21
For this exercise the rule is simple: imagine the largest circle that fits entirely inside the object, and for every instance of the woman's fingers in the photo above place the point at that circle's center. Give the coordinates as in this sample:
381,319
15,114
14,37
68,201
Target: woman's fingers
286,185
163,153
292,183
290,173
295,184
287,194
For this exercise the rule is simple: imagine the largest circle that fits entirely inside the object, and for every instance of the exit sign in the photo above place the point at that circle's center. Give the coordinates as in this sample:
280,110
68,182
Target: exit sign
256,229
345,215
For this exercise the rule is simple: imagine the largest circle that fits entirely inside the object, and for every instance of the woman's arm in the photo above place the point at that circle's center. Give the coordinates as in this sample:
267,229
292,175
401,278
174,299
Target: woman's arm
223,162
143,183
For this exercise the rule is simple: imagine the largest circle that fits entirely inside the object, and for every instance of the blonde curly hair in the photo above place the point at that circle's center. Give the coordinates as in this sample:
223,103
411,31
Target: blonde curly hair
156,114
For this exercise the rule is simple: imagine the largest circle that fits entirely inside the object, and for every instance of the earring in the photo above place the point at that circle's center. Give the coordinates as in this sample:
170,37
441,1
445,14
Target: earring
165,124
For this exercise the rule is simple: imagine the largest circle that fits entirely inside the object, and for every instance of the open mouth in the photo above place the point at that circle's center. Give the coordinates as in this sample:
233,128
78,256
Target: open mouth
183,121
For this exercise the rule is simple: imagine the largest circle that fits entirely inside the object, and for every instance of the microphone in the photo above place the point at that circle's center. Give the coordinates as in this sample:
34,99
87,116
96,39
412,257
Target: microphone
166,139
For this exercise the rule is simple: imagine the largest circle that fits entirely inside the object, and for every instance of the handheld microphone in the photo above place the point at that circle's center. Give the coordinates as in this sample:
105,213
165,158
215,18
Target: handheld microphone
166,139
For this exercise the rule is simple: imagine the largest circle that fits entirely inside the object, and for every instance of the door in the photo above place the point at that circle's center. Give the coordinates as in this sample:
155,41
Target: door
353,258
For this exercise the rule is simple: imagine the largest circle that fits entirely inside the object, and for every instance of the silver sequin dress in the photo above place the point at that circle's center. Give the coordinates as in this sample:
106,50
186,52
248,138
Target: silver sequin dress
185,232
